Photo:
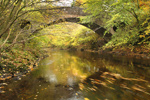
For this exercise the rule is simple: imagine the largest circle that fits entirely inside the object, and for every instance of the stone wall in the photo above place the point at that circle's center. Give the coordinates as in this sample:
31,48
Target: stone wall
73,11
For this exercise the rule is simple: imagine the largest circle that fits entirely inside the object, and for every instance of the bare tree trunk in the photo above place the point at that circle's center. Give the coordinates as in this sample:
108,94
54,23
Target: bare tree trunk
11,18
6,39
14,41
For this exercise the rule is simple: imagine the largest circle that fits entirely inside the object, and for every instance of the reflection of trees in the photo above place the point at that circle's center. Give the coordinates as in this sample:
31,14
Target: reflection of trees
111,85
126,67
68,68
116,78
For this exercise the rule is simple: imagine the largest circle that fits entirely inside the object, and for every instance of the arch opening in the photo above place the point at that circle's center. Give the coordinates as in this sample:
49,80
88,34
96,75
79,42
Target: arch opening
68,35
95,27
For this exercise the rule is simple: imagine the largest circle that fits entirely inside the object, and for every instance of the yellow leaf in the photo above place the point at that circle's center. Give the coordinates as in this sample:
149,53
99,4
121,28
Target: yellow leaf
142,36
81,86
86,99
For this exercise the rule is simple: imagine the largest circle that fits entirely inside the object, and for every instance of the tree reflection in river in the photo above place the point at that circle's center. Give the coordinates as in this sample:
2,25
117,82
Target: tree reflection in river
78,75
107,85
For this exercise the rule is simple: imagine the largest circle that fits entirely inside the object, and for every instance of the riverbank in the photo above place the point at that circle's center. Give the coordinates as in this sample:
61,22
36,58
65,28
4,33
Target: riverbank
17,63
135,52
138,54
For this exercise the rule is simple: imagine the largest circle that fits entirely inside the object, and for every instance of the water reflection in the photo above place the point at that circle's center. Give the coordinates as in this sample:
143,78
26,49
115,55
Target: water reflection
81,75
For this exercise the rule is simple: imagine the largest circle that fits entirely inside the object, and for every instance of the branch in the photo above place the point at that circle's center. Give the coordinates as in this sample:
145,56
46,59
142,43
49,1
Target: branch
136,16
5,39
35,4
11,17
133,13
138,4
22,41
40,10
24,14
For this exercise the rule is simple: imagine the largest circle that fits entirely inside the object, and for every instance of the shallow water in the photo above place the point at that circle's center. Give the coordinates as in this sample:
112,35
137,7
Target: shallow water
82,76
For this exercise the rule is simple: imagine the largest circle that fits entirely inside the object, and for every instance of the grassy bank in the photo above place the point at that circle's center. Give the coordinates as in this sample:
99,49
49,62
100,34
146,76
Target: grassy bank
18,61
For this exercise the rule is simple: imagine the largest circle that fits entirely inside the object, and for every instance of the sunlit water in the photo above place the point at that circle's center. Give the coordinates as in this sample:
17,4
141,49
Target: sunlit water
82,76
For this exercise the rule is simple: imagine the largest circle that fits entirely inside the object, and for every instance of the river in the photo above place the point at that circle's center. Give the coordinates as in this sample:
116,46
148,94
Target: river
66,75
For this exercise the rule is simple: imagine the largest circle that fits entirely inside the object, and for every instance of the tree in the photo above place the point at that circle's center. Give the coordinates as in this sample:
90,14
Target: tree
13,14
126,15
19,21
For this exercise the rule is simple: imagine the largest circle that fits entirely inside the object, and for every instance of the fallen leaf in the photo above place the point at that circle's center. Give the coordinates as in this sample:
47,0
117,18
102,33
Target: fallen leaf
86,99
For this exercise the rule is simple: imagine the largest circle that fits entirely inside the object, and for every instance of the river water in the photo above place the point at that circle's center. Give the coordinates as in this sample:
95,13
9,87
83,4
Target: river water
76,75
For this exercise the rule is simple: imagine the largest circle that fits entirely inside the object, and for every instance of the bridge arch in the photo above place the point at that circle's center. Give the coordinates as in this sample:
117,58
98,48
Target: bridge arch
95,27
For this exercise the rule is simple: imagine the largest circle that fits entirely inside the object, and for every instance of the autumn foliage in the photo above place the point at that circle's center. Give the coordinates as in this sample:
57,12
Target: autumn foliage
144,4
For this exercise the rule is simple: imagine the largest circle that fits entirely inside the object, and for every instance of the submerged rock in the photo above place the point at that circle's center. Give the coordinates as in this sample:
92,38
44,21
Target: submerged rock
17,78
3,84
82,49
2,91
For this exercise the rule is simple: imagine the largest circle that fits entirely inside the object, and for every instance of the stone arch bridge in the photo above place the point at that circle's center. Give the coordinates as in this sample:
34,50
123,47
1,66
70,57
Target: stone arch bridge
72,14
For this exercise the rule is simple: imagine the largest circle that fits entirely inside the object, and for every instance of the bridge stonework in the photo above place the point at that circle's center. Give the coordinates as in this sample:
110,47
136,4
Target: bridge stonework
72,14
73,11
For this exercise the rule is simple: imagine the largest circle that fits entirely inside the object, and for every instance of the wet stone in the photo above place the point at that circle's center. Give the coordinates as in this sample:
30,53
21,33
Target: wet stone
3,84
1,91
148,57
17,78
